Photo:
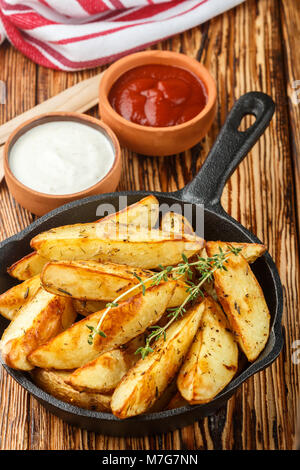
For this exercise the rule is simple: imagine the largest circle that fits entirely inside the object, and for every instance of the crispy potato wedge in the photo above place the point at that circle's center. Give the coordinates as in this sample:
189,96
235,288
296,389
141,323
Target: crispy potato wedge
86,307
104,373
27,267
163,401
55,383
146,381
212,360
71,349
179,295
250,251
92,281
243,302
13,299
143,213
43,317
88,280
173,222
116,244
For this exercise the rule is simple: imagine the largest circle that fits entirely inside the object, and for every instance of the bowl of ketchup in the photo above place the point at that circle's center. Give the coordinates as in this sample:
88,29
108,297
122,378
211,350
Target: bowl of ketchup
158,102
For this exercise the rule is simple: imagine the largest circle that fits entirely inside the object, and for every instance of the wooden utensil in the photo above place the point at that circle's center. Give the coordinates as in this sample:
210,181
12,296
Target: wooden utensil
1,164
78,98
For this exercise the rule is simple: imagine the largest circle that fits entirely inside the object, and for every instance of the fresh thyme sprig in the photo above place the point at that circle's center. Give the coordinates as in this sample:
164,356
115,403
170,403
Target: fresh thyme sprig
205,266
153,280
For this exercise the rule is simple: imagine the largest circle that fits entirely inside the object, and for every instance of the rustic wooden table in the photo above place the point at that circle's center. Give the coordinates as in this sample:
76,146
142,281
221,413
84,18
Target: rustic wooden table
253,47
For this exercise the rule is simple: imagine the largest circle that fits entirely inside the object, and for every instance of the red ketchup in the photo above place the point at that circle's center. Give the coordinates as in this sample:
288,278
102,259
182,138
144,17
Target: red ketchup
158,95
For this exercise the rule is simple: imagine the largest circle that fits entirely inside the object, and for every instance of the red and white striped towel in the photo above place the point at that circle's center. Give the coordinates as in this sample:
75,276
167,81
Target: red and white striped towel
79,34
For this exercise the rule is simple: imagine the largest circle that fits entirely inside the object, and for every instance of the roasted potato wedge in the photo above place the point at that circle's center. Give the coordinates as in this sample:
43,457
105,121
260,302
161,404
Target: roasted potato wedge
179,295
116,244
54,382
243,302
43,317
250,251
86,307
88,280
164,399
71,349
27,267
143,213
146,381
104,373
13,299
176,223
212,360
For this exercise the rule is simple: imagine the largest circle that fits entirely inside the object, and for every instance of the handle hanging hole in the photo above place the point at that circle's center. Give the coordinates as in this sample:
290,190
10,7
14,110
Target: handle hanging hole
246,122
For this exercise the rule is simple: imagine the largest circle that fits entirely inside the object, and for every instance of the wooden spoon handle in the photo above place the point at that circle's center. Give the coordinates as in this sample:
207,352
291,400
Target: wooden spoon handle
78,98
1,163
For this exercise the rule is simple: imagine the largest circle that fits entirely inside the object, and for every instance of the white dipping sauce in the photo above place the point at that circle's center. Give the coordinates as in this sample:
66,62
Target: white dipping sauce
61,157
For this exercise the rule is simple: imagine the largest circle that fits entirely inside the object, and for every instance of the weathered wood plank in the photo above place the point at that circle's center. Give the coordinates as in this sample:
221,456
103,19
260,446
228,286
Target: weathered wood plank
291,32
14,424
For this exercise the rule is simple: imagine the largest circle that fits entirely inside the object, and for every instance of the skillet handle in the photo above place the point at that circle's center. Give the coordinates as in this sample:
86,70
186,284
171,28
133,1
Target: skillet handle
229,149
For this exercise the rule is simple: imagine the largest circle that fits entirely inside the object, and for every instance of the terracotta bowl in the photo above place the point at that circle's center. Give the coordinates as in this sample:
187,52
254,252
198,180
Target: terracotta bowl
157,141
40,203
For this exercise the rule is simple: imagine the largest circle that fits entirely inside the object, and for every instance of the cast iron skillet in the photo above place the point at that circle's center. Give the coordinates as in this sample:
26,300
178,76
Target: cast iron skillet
228,151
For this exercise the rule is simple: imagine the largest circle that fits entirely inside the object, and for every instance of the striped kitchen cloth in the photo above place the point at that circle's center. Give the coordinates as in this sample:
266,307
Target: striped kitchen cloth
80,34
